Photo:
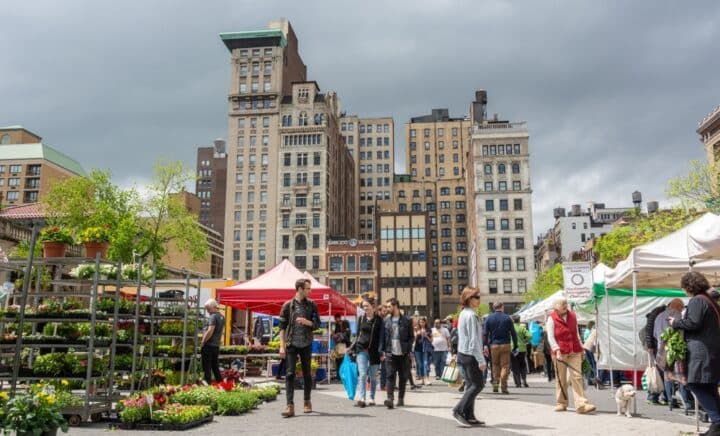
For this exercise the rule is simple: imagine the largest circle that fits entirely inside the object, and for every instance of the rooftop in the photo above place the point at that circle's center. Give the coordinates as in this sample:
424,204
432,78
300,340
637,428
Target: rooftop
18,127
22,212
40,151
709,119
237,39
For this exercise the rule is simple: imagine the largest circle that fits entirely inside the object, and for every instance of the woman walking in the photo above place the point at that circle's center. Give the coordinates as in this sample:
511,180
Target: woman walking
701,325
423,350
367,349
470,356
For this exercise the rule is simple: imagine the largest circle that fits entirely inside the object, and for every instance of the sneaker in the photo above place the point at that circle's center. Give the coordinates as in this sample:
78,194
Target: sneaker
475,421
462,422
371,402
360,403
389,404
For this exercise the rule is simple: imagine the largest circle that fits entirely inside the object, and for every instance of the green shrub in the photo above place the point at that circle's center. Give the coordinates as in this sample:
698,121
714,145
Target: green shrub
236,402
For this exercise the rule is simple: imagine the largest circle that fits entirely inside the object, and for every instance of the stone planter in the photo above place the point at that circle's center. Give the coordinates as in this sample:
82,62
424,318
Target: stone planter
93,248
54,249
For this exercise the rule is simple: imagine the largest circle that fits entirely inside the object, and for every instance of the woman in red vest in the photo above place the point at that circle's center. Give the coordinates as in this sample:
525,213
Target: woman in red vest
568,353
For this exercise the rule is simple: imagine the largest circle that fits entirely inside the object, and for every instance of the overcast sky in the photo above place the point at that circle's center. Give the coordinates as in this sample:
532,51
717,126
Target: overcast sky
612,91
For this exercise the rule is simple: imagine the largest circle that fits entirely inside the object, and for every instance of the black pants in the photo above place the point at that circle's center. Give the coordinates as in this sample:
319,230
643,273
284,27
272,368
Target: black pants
473,382
518,366
397,366
709,398
408,374
549,369
305,354
211,366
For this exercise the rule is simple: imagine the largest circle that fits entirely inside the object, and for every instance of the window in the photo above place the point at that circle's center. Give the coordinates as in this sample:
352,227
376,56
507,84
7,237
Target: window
13,195
516,168
504,224
506,264
504,204
505,243
316,178
492,264
520,261
501,168
351,263
488,169
316,262
301,200
489,205
517,148
519,243
316,220
15,168
336,263
490,224
413,133
516,185
488,186
300,219
249,255
285,221
522,285
492,285
286,179
517,204
491,244
316,158
507,286
574,226
460,218
301,262
502,186
300,242
518,223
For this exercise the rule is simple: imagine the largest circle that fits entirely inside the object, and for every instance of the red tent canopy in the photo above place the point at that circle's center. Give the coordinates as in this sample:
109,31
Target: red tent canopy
269,291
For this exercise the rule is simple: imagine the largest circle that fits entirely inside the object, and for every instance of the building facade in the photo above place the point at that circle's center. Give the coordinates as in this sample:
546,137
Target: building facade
211,185
404,260
28,167
352,266
500,196
372,143
275,114
709,131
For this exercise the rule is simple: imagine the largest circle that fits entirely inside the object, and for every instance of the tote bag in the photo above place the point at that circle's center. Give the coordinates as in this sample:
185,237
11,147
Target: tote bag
450,374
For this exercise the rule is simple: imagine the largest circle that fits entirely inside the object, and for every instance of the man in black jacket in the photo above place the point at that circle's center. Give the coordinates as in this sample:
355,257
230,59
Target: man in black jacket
395,344
650,344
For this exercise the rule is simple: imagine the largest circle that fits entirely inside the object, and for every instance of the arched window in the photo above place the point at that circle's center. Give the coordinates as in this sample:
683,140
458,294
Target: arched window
300,242
501,168
303,119
516,168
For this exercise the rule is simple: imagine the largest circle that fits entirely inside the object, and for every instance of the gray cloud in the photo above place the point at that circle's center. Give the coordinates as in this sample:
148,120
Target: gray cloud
612,91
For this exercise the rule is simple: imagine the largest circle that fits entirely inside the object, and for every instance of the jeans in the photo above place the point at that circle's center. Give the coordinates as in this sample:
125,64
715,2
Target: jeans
439,362
420,366
518,366
466,406
383,376
211,366
709,399
305,353
397,367
593,365
366,370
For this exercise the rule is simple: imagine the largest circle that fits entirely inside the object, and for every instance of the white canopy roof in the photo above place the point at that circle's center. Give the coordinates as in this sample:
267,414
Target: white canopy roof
704,241
662,263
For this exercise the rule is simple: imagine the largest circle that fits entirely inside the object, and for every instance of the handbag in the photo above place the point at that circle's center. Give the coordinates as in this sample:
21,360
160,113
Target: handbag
450,374
538,358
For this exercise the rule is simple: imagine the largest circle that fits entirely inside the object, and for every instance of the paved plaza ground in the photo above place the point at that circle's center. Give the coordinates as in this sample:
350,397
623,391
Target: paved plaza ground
524,412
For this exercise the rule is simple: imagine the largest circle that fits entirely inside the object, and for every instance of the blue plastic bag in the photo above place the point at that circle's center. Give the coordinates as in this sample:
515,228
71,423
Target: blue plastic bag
349,376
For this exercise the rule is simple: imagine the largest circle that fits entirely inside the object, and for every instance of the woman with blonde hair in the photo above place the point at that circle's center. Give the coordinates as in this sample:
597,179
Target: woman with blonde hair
470,356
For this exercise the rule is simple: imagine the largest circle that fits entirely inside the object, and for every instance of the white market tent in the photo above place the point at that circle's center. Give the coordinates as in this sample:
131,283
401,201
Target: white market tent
650,277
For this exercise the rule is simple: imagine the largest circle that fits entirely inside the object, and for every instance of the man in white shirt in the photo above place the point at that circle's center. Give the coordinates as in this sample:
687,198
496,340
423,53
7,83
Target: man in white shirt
441,346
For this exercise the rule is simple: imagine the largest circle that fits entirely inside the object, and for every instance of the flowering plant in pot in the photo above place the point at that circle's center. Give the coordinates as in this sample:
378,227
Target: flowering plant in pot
96,240
35,413
55,241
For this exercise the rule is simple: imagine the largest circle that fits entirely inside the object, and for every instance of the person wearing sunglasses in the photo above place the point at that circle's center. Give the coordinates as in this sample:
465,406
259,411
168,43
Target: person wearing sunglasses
470,356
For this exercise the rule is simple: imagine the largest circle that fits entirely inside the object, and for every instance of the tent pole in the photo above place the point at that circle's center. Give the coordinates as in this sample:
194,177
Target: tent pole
609,350
327,366
597,324
635,337
247,326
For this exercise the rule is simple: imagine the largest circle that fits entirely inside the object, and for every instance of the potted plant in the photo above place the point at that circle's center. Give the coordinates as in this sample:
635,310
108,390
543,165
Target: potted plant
55,241
35,413
96,240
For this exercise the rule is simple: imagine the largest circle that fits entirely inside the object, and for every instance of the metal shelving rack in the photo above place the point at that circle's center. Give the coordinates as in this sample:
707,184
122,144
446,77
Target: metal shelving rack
94,403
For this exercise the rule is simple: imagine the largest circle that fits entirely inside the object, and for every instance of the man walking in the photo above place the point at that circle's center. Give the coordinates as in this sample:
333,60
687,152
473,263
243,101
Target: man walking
298,318
564,340
441,346
210,343
518,361
499,332
395,344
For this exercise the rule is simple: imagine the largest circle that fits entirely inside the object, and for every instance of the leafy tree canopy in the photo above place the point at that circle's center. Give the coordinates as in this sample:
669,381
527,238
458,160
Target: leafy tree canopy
547,283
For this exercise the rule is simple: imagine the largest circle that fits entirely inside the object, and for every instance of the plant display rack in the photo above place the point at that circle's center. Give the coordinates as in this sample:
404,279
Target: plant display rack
98,386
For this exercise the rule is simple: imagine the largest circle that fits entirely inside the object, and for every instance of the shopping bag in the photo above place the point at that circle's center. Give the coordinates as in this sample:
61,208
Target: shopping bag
539,359
450,374
655,383
349,375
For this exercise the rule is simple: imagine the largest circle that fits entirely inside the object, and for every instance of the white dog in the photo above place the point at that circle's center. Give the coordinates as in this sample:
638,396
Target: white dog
623,397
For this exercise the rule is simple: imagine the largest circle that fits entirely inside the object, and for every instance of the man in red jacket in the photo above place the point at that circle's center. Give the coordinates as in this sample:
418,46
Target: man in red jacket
568,353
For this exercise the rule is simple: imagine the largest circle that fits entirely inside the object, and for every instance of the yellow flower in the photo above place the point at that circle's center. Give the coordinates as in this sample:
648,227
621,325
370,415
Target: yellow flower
65,382
4,396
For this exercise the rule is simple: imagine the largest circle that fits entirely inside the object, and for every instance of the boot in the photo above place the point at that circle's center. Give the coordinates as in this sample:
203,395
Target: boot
289,411
308,407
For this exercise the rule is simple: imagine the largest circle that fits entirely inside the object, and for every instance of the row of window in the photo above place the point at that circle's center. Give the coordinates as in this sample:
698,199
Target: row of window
15,169
381,181
249,235
204,194
251,178
504,224
505,243
440,157
318,120
506,264
403,282
502,186
503,204
249,255
367,128
447,260
252,141
500,149
252,160
348,263
339,285
250,197
379,168
301,159
301,200
250,216
402,233
379,155
447,246
446,232
300,242
255,66
441,172
255,87
256,52
205,173
300,220
378,195
300,179
204,163
379,142
448,289
507,286
502,168
440,145
440,132
255,103
366,224
253,122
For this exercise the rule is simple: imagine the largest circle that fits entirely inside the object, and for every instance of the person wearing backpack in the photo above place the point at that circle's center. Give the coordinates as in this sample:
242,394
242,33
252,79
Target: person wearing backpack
701,324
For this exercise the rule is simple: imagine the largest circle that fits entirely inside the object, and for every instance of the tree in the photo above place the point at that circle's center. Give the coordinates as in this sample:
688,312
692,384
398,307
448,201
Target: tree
700,188
638,230
94,201
165,217
547,283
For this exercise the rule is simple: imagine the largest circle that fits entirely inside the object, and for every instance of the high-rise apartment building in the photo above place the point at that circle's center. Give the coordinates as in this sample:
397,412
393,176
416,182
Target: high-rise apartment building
372,143
290,176
28,167
211,185
499,192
